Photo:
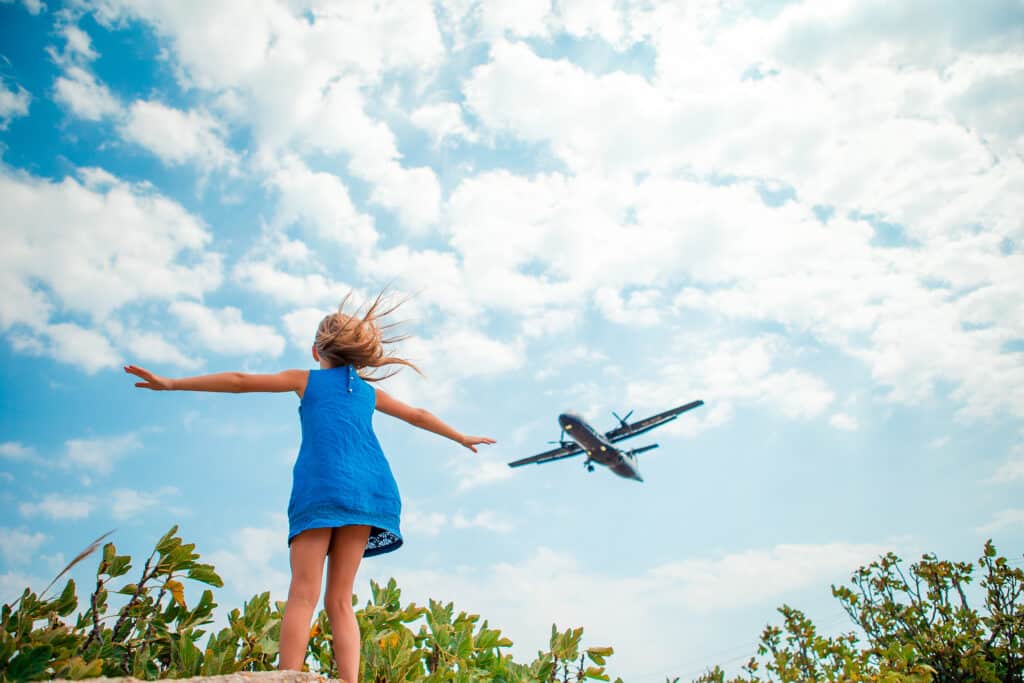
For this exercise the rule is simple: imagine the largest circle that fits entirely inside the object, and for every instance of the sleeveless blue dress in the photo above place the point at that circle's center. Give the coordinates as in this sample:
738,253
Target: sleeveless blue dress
341,476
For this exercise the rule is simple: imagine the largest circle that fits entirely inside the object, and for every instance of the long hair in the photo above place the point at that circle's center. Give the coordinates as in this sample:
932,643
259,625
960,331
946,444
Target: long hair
357,339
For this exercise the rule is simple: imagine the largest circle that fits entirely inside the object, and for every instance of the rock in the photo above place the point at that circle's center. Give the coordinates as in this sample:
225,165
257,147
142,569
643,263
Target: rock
240,677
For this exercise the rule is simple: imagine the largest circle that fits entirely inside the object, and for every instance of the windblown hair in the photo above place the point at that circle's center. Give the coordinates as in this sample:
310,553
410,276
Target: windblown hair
357,339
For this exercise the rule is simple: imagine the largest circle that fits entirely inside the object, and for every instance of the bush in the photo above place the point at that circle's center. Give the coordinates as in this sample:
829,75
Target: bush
155,633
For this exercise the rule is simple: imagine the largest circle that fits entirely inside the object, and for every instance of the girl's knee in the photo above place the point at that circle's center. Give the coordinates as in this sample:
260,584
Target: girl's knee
305,593
338,603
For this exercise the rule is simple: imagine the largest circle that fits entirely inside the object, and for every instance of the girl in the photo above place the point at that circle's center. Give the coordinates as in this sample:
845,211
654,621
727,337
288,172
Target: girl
344,502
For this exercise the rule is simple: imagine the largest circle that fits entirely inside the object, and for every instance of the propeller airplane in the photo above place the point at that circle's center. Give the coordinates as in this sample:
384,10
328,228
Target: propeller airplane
599,447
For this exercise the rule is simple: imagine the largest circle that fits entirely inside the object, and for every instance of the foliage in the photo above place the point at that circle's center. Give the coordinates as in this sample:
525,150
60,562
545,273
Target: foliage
154,634
918,626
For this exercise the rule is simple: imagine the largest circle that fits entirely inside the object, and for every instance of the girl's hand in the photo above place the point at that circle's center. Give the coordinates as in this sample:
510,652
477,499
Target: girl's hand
155,382
470,441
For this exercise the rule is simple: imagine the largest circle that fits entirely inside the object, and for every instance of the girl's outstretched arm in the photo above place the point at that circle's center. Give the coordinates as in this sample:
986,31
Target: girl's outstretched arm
231,382
418,417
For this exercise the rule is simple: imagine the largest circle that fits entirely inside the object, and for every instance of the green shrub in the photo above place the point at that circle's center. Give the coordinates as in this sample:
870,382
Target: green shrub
154,634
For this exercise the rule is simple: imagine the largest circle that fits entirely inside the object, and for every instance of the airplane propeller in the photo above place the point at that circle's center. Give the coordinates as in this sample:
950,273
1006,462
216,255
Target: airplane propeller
561,440
622,420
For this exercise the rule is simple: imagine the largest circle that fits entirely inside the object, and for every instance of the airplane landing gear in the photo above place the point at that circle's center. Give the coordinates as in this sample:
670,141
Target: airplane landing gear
589,465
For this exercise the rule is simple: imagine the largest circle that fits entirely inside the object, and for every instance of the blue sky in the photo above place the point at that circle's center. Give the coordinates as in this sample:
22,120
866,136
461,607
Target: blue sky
806,215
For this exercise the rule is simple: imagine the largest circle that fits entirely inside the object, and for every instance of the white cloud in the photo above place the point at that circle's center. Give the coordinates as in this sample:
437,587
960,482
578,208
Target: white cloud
443,121
176,136
86,97
640,309
483,519
1002,520
421,523
13,103
283,287
153,347
248,562
341,125
224,331
13,584
517,17
76,345
301,325
94,245
99,455
320,202
844,422
128,503
58,507
726,372
19,547
300,78
473,470
1013,469
755,576
15,450
32,6
434,276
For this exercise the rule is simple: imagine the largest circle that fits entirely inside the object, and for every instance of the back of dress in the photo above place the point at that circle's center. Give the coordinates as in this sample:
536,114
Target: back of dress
341,476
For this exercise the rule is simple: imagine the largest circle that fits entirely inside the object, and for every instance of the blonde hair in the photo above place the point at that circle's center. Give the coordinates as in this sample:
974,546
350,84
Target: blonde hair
356,340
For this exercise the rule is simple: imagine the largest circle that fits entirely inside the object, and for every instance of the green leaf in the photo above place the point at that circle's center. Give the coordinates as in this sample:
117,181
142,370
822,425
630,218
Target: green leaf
167,541
205,574
68,601
29,663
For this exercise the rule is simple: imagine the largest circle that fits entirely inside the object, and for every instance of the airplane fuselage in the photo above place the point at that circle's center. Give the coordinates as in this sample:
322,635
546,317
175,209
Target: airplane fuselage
599,449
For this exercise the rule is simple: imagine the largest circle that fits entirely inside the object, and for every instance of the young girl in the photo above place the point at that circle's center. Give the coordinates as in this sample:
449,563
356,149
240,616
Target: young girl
344,502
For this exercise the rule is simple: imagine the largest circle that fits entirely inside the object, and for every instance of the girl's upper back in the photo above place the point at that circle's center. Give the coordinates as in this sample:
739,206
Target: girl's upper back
337,393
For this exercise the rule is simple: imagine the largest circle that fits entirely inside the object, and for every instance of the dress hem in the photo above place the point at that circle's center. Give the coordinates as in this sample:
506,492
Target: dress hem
333,518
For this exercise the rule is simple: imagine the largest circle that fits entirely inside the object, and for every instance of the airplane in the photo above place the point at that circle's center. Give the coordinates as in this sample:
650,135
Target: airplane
599,448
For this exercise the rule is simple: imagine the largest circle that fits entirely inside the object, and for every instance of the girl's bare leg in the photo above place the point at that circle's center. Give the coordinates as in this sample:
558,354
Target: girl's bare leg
308,550
346,550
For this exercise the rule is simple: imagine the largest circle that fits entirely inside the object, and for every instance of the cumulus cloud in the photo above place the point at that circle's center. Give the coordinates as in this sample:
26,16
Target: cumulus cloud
19,547
421,522
319,202
13,103
844,422
95,243
1013,468
154,347
1001,520
32,6
58,507
246,561
443,121
729,372
224,331
175,136
128,503
299,79
99,455
92,245
86,97
15,450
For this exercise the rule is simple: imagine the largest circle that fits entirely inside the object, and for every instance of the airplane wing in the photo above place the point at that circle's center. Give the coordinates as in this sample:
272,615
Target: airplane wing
549,456
649,423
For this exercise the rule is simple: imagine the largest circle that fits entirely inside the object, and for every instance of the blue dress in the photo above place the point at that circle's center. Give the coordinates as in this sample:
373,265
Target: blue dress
341,476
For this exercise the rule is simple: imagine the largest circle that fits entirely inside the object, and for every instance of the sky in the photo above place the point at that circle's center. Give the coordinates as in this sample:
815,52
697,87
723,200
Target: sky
806,214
